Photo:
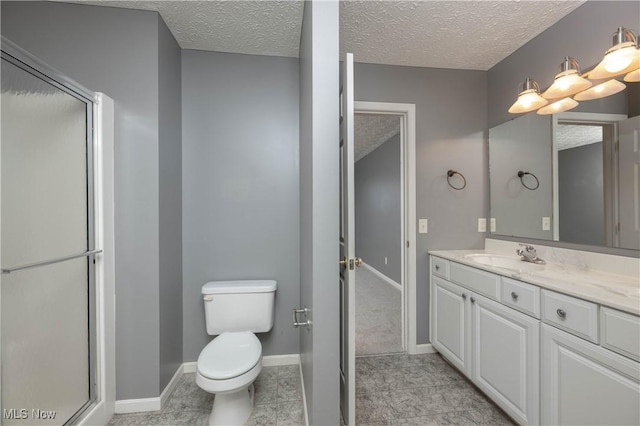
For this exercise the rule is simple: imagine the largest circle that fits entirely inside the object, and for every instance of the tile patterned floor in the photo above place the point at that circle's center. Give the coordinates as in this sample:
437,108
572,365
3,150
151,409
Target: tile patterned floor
419,390
278,399
391,390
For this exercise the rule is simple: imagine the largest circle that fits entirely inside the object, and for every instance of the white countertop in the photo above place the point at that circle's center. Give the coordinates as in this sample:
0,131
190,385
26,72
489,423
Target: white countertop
606,288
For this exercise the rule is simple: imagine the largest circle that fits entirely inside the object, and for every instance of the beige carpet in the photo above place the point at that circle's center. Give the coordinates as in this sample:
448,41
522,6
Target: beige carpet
378,315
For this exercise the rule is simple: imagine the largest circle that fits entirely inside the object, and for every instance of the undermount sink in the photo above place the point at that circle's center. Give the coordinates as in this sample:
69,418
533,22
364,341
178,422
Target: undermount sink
511,263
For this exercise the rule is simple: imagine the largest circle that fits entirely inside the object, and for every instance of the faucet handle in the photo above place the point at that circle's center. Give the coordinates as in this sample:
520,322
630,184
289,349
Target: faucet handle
527,247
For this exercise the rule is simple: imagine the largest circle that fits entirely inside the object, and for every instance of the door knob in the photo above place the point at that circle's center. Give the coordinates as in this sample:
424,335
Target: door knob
343,262
358,262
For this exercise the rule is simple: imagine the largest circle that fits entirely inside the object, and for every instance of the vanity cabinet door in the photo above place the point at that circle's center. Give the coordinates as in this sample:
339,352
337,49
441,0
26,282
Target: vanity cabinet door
505,361
449,322
585,384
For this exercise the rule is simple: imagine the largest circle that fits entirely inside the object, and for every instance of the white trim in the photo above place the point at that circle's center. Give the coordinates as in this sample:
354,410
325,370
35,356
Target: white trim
426,348
573,117
171,386
382,276
124,406
103,136
407,112
304,396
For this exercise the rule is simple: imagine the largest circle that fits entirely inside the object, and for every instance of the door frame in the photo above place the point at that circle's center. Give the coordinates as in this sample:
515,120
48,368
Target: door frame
595,119
407,115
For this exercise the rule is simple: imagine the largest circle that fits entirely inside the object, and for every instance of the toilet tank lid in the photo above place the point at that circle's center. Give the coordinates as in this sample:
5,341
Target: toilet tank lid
231,287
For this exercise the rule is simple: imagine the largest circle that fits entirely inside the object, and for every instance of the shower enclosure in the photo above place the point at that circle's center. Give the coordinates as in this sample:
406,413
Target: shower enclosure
47,229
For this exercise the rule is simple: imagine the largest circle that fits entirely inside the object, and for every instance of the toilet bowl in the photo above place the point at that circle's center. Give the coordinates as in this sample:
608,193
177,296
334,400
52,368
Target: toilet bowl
227,366
230,363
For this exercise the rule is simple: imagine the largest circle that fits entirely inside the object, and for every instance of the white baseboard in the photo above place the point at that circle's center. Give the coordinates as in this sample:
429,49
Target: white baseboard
155,404
382,276
426,348
304,396
150,404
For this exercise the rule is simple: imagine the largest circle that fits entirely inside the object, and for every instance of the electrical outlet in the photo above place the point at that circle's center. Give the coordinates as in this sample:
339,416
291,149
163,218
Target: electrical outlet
482,224
422,226
493,224
546,223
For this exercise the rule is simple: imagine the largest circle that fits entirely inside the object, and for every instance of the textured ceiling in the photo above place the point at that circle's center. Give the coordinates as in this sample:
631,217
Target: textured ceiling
372,130
429,33
444,34
572,136
252,27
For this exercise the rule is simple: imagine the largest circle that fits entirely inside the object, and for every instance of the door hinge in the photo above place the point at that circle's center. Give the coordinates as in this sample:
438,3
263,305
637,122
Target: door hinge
617,228
407,243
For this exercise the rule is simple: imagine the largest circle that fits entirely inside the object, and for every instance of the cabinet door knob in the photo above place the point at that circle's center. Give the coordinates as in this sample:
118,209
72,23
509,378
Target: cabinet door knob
561,313
464,296
473,300
437,267
514,295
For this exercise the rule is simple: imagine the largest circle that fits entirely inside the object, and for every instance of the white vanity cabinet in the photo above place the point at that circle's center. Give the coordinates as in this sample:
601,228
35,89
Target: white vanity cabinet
586,384
543,356
505,358
450,313
495,346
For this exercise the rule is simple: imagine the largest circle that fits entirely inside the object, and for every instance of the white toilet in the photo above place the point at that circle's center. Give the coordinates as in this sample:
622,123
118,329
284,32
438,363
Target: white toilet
230,363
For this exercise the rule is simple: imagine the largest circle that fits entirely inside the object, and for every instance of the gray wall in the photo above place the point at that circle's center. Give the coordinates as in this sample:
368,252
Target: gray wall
451,117
581,192
584,34
319,207
378,202
240,185
115,51
170,202
521,144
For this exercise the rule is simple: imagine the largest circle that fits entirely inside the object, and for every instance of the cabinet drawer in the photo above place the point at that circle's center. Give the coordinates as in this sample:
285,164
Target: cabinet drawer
620,332
440,267
484,283
521,296
576,316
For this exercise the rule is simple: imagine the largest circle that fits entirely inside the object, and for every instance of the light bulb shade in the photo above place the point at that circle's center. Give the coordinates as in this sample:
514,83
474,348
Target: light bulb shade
602,90
622,58
529,98
568,82
633,76
558,106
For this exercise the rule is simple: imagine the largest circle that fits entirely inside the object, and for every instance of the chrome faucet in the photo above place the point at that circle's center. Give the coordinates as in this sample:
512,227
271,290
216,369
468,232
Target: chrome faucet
529,254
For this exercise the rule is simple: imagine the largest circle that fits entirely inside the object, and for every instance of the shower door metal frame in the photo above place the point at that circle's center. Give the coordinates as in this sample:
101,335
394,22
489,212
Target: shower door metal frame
39,69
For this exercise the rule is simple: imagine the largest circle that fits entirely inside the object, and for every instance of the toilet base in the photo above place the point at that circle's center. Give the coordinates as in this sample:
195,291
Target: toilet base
232,408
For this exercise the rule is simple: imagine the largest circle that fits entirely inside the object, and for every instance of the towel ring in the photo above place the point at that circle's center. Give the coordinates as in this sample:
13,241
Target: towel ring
450,173
522,174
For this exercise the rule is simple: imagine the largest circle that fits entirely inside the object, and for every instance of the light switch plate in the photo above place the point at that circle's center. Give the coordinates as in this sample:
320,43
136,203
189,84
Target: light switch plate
493,224
422,226
482,224
546,223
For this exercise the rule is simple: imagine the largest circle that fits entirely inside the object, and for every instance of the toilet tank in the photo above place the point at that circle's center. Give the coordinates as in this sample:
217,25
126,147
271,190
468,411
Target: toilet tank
239,306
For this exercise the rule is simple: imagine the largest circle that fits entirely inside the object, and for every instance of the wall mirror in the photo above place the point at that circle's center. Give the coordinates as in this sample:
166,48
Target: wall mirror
570,177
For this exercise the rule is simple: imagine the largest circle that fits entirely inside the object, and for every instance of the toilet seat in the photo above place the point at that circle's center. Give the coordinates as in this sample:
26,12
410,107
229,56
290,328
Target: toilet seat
229,355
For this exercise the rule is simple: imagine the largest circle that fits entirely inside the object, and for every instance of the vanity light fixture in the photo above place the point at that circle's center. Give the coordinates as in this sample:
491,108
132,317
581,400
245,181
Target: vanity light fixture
633,76
558,106
529,98
622,58
568,82
602,90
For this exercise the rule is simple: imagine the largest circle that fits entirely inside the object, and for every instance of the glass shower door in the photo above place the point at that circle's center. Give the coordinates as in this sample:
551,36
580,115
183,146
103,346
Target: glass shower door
47,237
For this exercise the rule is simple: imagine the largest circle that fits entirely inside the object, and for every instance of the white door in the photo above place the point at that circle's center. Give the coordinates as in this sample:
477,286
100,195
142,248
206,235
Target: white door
348,261
585,384
505,360
629,182
450,316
